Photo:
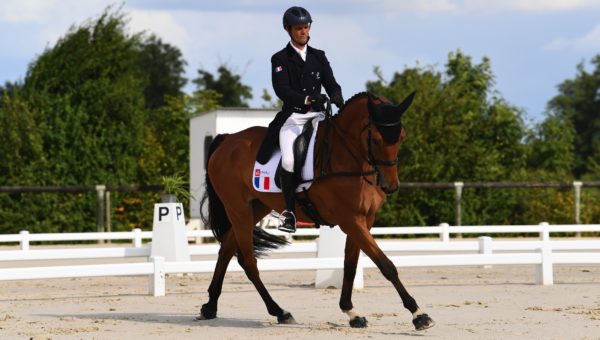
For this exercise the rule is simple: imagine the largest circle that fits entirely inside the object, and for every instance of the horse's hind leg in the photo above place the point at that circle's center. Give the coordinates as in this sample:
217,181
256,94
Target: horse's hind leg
243,234
226,252
352,254
360,234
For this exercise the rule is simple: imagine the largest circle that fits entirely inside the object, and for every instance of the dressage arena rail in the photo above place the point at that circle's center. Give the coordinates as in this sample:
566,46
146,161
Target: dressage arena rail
543,253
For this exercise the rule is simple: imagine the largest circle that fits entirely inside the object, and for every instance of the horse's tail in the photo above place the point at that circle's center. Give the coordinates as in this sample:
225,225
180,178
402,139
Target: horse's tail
216,217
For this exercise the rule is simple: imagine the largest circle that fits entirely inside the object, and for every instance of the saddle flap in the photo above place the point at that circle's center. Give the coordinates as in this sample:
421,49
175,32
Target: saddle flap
301,148
266,174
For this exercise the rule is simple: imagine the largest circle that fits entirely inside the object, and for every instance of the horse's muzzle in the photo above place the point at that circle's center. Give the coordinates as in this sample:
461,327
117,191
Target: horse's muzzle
388,191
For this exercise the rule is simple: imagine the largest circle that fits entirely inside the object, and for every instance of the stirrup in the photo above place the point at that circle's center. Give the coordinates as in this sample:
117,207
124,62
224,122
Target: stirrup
288,224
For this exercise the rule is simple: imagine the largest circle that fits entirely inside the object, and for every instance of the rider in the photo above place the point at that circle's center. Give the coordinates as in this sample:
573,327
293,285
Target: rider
298,71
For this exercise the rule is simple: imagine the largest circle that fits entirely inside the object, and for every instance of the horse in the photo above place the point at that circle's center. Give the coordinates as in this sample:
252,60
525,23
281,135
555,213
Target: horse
355,168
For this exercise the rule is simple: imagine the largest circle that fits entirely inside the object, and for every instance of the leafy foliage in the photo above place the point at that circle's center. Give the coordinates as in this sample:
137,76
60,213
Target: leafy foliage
229,85
106,106
578,103
458,130
164,67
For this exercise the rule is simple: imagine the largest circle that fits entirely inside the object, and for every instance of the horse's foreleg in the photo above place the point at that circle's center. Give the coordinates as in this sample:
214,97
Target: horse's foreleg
351,256
228,248
247,261
361,236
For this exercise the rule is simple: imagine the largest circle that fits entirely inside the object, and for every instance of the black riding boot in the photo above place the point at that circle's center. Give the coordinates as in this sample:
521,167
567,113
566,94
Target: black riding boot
288,186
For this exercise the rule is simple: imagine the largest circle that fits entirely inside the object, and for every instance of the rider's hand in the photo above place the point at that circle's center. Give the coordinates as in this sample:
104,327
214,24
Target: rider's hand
317,102
338,100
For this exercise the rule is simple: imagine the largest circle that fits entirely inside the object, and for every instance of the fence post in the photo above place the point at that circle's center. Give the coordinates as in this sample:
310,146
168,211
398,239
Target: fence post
544,233
445,233
331,243
137,237
100,189
157,279
24,239
577,192
458,186
544,271
107,211
485,247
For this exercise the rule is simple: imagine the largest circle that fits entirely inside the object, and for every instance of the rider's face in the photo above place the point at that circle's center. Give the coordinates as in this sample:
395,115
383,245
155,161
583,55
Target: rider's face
299,34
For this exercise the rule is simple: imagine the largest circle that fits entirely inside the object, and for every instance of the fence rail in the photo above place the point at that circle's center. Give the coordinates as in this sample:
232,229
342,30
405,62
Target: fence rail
444,231
543,253
103,193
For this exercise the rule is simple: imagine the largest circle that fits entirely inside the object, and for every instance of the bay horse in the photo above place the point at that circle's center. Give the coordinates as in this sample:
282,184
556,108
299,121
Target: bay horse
361,145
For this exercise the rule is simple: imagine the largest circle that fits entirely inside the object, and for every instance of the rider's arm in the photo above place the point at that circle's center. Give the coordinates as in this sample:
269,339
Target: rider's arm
329,82
281,84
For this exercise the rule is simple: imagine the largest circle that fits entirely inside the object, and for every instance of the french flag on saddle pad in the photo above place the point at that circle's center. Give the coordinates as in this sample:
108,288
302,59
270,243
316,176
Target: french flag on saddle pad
264,184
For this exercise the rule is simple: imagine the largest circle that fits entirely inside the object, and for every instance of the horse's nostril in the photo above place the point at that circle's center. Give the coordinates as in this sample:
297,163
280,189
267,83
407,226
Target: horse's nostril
388,190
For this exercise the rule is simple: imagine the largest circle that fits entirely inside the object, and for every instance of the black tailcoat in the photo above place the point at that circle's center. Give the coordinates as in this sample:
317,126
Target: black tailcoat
293,80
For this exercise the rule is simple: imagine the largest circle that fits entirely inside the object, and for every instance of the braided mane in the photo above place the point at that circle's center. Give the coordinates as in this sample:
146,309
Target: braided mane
354,97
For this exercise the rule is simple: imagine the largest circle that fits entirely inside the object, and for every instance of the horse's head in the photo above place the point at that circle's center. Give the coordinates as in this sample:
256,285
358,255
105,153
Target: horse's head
385,133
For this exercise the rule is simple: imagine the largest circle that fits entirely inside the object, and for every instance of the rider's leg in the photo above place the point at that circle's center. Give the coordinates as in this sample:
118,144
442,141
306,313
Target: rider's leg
289,131
288,186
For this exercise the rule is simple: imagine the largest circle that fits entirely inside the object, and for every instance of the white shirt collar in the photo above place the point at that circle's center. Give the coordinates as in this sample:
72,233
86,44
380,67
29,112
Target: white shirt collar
302,53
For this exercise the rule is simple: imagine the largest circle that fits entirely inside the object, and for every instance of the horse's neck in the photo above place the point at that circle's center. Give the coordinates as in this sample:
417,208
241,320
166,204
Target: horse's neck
345,139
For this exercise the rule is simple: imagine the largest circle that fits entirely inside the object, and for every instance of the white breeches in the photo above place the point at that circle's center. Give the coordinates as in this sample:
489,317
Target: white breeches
291,129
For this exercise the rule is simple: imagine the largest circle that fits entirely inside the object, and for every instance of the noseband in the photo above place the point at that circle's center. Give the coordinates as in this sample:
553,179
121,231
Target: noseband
370,158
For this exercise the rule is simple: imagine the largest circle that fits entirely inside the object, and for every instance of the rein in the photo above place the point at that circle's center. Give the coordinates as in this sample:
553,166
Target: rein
370,159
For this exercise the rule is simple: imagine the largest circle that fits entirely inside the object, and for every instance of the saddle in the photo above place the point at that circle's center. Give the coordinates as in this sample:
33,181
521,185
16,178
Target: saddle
264,166
300,150
271,141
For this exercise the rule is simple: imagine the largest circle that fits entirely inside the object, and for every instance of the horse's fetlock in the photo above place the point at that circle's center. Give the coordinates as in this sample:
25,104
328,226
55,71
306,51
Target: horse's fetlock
346,306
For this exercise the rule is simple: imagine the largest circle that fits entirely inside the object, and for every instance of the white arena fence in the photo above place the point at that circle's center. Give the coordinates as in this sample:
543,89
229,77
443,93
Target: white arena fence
484,251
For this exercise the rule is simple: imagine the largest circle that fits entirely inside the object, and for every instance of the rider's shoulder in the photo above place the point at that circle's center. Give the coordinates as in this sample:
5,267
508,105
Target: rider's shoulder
281,54
319,53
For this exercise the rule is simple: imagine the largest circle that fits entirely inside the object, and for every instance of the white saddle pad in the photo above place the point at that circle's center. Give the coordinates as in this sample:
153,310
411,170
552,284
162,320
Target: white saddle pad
263,176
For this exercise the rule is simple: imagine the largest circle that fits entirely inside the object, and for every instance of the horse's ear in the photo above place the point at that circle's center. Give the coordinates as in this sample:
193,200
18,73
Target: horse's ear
373,109
405,103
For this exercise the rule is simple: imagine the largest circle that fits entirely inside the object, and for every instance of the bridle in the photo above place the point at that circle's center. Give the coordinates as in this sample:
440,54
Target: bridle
370,159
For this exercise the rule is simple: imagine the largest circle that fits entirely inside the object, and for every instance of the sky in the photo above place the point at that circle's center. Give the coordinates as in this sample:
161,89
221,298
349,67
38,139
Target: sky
533,45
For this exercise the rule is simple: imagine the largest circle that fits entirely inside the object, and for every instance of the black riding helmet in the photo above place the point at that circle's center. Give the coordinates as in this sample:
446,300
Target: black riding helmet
296,16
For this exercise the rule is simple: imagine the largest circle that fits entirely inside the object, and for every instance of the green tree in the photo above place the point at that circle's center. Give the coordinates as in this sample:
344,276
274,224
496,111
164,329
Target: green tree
88,91
234,93
164,66
270,102
552,149
579,102
458,129
21,152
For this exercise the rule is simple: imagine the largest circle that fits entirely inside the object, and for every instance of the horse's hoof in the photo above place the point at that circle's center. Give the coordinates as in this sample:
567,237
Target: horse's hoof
206,313
422,322
359,322
286,319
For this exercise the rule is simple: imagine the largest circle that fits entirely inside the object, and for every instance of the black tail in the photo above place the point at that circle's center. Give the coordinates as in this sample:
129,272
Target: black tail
216,216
